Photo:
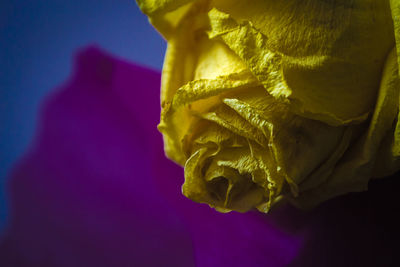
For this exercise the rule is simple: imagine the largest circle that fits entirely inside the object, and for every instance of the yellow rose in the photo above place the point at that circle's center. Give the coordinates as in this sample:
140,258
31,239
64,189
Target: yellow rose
268,100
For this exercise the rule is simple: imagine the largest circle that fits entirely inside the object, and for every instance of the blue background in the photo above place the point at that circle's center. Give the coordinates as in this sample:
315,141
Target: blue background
38,39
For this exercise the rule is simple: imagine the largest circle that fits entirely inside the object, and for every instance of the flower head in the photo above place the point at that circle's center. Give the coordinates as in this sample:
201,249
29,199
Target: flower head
265,101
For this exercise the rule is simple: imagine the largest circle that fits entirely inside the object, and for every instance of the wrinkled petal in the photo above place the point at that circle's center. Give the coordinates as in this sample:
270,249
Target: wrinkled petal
166,15
227,74
395,8
369,154
315,62
160,6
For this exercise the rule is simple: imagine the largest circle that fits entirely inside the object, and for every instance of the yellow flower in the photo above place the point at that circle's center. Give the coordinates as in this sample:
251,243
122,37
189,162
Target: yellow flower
265,100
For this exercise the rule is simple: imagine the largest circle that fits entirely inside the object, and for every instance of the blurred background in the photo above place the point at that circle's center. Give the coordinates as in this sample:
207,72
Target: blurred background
37,42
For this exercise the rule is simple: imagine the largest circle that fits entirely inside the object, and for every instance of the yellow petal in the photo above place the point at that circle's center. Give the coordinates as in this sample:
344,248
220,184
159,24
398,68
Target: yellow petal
157,7
189,89
298,145
395,7
361,160
228,118
326,66
165,15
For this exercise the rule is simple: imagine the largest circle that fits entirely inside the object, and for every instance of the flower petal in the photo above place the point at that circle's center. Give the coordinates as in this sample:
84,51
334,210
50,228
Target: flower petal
395,7
319,67
366,157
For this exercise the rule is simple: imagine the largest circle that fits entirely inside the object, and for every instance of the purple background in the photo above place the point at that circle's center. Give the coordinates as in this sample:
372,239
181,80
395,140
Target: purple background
37,41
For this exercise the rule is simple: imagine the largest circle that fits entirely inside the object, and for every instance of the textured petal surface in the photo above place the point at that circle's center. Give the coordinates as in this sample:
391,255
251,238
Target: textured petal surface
395,8
368,155
313,54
